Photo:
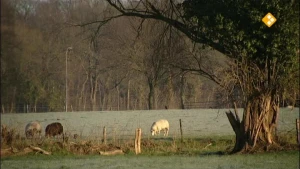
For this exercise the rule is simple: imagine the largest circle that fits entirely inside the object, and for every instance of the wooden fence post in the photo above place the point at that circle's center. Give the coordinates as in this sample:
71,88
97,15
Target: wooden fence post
140,139
181,130
137,143
104,135
114,135
297,129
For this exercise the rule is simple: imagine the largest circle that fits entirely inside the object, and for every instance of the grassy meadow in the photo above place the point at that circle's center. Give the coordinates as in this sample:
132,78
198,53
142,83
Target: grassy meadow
208,137
280,160
122,124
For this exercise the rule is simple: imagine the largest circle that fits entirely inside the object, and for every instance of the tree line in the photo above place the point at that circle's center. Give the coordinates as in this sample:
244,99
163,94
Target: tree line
126,64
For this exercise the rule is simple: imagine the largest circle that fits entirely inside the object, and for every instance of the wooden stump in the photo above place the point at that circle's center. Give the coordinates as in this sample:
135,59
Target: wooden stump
137,143
104,135
181,135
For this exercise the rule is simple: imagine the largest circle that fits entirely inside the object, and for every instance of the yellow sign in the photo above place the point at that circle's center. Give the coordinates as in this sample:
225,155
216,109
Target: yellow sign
269,19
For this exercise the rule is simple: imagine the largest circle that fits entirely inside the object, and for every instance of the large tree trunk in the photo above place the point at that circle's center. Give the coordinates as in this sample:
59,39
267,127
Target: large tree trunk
150,95
182,82
128,96
150,98
82,99
170,101
118,98
93,91
257,126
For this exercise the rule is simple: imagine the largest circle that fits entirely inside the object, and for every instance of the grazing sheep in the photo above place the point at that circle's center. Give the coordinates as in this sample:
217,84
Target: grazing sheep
158,126
32,129
54,129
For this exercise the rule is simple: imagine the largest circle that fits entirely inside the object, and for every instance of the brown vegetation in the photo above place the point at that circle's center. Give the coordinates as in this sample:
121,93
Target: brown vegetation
14,145
8,135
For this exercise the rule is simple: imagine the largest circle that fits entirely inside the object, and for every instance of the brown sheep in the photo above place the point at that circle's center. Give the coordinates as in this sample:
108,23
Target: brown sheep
54,129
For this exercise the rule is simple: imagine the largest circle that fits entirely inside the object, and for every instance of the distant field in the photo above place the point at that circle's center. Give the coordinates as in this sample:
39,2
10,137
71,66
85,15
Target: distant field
122,124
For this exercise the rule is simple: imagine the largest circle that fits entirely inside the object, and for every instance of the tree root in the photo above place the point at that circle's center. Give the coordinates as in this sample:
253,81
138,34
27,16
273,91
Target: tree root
13,151
40,150
112,152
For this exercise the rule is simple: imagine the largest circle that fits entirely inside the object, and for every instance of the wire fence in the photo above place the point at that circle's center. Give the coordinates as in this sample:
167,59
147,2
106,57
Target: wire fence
121,125
201,104
40,108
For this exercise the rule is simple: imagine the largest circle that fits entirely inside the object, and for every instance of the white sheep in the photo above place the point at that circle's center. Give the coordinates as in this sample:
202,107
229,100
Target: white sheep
158,126
32,129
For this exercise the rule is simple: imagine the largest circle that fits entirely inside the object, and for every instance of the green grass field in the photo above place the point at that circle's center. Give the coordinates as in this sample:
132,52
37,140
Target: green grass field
280,160
200,128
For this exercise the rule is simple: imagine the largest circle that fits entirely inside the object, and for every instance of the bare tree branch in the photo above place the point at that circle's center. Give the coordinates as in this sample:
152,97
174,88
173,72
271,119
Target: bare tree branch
149,11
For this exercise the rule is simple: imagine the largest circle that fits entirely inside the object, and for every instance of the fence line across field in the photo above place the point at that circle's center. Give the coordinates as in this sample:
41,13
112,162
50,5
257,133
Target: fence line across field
122,125
117,133
40,108
113,133
110,133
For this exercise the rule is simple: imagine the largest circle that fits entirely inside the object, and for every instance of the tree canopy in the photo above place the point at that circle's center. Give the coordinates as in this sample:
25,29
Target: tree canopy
237,27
